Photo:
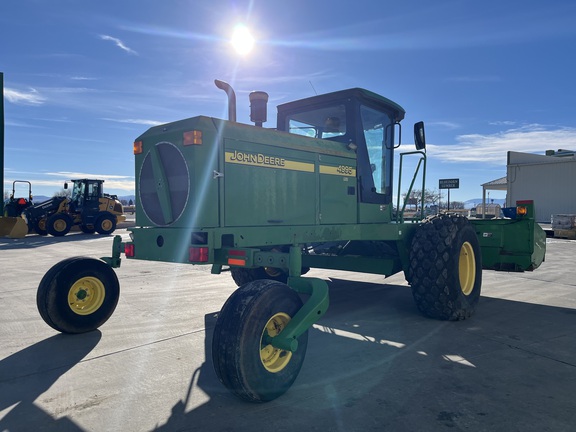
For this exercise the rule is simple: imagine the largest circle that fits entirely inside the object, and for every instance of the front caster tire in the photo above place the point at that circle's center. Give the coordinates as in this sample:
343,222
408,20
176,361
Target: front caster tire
78,295
244,362
446,268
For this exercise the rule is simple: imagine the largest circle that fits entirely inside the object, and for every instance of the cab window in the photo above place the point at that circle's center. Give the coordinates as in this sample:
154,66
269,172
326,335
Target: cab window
378,130
325,123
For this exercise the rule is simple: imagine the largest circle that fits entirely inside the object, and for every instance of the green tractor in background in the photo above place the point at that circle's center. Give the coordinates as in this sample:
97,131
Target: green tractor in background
14,205
269,204
11,224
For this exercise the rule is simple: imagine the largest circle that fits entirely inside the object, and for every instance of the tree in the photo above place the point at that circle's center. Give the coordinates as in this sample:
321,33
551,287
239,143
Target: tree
431,197
63,193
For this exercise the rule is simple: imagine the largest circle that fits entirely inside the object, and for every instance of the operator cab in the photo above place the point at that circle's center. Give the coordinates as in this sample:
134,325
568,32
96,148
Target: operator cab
363,122
86,193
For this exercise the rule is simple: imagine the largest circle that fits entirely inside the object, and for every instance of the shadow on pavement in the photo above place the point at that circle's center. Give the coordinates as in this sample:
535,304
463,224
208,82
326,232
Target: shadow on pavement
374,363
27,374
36,241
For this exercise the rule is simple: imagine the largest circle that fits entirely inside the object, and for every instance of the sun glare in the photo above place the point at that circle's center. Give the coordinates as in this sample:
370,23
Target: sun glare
242,40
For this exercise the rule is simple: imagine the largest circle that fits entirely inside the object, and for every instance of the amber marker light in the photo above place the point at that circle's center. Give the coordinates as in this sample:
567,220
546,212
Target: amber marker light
237,257
521,210
137,147
193,137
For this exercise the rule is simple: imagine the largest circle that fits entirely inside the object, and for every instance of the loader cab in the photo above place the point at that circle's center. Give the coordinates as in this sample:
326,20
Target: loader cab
86,193
363,122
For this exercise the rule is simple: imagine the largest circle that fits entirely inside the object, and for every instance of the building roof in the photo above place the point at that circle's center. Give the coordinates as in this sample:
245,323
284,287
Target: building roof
498,184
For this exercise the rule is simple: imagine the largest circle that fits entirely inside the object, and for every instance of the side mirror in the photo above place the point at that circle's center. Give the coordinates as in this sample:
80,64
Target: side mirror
65,185
419,136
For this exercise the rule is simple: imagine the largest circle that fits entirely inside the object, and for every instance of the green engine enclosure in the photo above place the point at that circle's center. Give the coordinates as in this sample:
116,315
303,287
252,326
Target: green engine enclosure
245,186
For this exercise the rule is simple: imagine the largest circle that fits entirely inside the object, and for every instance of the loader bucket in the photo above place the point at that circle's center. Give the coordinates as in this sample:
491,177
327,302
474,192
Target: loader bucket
13,227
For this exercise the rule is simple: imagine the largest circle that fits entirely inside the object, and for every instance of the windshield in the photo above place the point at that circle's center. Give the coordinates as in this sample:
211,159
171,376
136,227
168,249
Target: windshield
378,131
78,190
327,122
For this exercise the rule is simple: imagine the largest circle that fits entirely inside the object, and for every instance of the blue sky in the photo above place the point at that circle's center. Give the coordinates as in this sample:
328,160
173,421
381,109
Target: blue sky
84,78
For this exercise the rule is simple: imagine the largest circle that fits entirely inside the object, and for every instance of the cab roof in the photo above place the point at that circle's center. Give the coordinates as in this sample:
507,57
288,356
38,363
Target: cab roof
357,93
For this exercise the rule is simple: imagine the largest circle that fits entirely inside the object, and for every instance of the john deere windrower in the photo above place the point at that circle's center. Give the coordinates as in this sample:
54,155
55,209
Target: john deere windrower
268,205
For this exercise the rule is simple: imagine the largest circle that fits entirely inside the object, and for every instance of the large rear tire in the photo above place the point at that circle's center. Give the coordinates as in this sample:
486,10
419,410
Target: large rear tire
244,361
78,295
446,268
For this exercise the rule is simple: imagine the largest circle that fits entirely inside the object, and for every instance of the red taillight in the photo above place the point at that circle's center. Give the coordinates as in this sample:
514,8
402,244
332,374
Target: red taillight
198,254
129,250
237,257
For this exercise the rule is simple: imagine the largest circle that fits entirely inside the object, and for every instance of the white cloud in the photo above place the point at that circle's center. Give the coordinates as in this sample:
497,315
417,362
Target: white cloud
30,98
82,78
444,124
136,121
493,148
502,123
71,174
56,180
118,43
121,182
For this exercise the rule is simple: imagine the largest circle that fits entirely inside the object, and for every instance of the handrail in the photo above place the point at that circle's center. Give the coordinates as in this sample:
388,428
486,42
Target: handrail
400,213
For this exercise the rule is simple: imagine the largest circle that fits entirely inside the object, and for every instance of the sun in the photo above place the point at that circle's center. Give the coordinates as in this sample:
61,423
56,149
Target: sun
242,40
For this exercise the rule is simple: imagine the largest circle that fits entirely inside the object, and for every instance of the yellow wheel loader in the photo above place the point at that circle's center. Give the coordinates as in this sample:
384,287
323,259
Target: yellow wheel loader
88,207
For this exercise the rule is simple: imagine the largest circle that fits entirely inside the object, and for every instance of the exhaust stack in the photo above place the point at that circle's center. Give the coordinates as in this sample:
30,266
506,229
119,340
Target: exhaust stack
222,85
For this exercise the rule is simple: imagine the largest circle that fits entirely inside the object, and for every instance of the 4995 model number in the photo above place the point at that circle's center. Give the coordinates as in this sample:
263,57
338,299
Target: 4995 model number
343,169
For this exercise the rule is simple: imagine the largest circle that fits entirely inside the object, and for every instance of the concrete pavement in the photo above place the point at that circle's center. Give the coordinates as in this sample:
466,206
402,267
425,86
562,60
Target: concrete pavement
373,362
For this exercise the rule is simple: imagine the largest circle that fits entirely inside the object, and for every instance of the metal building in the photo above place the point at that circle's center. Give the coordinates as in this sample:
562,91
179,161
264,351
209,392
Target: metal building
549,180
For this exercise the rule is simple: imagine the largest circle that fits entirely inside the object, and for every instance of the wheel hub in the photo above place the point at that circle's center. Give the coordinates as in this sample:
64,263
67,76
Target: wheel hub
274,359
107,224
86,295
467,268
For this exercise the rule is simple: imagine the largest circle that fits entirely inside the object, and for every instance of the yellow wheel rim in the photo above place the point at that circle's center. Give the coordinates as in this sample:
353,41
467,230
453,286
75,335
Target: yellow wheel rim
106,224
274,359
59,225
467,268
42,224
86,295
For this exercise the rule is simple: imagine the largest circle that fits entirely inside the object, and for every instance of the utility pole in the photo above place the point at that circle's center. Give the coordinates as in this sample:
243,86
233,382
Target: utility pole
2,143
